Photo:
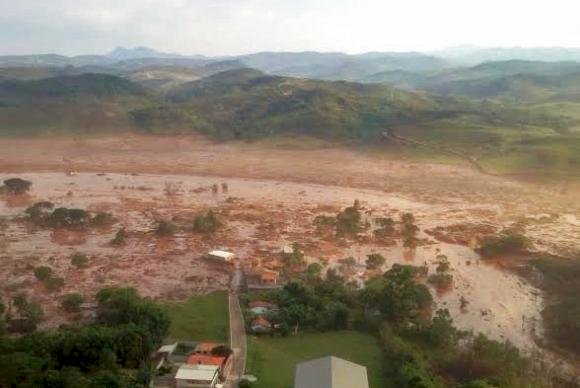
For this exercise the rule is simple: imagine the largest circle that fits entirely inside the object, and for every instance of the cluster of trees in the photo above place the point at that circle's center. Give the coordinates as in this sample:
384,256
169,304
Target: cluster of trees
112,351
441,278
507,242
45,214
421,348
22,316
16,186
348,221
46,276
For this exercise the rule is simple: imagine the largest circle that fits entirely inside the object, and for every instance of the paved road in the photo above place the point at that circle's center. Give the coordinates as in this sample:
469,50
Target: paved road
237,332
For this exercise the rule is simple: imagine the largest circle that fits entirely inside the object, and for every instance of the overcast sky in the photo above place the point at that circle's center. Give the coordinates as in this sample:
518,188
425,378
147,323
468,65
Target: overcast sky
221,27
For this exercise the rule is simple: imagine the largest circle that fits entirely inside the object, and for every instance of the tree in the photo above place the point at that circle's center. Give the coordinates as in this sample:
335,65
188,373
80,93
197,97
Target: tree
17,186
43,273
348,221
72,302
118,306
375,260
402,299
39,210
79,260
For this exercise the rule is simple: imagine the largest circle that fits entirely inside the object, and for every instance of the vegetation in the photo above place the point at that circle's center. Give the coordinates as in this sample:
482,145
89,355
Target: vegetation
112,351
273,359
120,237
419,348
207,223
203,317
506,243
44,214
17,186
165,229
72,302
79,260
561,280
348,222
43,273
28,314
375,261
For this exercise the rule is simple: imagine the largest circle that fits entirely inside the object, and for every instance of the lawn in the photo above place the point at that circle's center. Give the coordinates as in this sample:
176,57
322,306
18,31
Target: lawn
273,360
202,317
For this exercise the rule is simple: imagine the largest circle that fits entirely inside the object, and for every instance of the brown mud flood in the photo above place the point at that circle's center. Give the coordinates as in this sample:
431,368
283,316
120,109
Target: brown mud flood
261,216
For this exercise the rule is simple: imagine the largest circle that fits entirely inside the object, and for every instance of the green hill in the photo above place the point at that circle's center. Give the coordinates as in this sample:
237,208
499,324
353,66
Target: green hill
80,103
246,103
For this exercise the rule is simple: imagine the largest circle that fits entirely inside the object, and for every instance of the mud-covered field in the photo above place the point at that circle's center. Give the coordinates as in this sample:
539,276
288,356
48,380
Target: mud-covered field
274,193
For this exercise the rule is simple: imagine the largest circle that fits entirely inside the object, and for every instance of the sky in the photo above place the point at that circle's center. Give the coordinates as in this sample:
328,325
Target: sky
231,27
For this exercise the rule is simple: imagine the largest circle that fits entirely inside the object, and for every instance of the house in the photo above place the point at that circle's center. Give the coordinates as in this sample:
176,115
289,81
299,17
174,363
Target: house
202,359
330,372
221,255
260,307
261,325
262,279
197,376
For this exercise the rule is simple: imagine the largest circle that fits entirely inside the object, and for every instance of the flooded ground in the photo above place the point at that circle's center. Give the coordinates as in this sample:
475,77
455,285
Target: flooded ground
272,198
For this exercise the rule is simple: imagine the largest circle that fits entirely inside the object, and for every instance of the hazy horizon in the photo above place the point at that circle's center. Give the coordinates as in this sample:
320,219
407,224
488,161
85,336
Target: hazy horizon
229,28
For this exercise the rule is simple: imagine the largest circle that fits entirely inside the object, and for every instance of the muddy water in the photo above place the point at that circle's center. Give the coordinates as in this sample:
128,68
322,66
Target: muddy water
266,214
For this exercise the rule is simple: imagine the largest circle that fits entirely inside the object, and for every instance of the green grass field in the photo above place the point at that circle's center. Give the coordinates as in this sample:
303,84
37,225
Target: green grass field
200,318
273,360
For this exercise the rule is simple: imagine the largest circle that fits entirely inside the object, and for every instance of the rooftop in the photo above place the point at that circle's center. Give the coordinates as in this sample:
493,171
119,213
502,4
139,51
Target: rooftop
330,372
196,372
202,359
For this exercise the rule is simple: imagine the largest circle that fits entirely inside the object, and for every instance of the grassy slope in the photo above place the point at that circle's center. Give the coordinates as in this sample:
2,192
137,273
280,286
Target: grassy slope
273,360
200,318
504,149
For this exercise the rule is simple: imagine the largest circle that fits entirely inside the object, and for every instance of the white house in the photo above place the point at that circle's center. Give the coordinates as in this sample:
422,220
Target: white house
221,255
197,376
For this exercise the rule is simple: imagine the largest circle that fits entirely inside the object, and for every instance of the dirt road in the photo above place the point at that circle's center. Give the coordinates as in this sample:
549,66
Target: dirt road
237,332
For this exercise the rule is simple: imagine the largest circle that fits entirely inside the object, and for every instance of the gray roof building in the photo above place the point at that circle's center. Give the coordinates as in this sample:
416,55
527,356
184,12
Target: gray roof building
330,372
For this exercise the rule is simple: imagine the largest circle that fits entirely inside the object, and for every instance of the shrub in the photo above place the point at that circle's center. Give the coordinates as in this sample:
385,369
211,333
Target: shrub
79,260
120,237
208,223
165,228
72,302
43,273
375,260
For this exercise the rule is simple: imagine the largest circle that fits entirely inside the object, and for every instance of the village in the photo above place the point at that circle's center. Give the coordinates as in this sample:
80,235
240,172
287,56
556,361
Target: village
180,237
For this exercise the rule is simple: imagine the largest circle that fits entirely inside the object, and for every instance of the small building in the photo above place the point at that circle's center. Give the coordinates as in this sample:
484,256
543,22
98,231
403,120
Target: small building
197,376
330,372
221,255
261,325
